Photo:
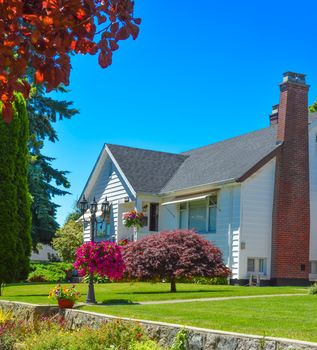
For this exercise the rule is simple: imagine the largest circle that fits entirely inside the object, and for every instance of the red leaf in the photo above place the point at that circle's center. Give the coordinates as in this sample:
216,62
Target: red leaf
113,45
134,30
114,27
101,19
38,77
137,21
105,59
123,33
35,36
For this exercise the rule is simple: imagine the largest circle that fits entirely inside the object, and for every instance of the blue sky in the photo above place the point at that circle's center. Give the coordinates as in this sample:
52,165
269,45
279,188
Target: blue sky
200,72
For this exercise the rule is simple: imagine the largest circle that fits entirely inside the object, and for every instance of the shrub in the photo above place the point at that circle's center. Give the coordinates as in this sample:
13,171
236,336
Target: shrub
50,272
147,345
5,316
180,341
11,331
313,289
216,281
68,239
171,255
97,279
112,335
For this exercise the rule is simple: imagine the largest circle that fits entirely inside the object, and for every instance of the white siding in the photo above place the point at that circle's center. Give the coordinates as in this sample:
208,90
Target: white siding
313,192
256,217
109,184
228,225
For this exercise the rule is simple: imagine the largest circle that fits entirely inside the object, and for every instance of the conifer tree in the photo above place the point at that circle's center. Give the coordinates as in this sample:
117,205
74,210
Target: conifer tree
45,182
23,195
14,197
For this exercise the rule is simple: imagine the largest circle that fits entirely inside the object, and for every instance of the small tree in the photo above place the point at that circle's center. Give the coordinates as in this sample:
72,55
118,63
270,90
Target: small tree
173,254
101,258
68,239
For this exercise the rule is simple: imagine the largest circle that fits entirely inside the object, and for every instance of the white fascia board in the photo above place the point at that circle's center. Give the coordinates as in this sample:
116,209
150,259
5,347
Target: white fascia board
93,175
120,171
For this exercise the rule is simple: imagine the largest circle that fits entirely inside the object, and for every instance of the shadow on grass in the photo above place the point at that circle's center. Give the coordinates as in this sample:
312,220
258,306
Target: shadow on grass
180,292
118,302
25,295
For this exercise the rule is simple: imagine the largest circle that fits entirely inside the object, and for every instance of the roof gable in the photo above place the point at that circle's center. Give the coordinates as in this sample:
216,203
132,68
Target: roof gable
147,171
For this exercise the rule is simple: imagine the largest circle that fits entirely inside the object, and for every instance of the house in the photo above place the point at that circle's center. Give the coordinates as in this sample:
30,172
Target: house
254,196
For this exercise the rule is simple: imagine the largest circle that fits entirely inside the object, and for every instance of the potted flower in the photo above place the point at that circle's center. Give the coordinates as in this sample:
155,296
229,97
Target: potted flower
65,296
133,218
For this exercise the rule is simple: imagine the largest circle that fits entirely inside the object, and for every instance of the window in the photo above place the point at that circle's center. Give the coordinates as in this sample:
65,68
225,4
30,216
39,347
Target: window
183,216
103,231
200,215
212,213
262,266
197,216
251,265
154,214
257,265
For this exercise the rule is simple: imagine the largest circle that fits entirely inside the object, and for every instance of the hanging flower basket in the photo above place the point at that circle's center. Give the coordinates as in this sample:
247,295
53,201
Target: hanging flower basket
133,218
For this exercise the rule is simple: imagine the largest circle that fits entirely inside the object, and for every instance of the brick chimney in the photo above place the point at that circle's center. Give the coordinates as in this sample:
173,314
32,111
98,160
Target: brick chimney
291,209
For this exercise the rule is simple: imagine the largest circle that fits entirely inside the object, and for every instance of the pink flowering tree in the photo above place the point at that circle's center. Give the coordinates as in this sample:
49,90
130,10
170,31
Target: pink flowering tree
171,255
101,258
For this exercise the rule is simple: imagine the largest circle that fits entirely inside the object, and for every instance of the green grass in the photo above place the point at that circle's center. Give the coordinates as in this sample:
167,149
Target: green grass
135,292
288,317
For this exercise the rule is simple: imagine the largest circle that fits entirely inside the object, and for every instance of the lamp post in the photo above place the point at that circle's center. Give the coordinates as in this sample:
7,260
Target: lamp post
105,209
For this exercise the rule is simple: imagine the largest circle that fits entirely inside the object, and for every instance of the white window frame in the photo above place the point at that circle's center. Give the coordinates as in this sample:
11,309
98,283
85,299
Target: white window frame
186,212
257,266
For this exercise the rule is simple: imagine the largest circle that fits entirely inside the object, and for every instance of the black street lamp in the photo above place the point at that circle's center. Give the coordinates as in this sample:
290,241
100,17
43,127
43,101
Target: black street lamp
105,210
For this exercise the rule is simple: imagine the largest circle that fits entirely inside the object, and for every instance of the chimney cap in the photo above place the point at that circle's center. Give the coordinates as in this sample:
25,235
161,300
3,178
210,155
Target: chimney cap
275,108
294,77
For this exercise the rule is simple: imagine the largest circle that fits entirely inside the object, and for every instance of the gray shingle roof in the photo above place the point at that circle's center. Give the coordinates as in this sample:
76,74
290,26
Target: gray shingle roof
160,172
221,161
147,171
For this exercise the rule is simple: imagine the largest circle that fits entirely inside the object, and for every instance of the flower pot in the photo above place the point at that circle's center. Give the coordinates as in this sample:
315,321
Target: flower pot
65,303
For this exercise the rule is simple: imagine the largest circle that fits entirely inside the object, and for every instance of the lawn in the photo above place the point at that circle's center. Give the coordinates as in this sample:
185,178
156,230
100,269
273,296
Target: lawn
288,317
125,293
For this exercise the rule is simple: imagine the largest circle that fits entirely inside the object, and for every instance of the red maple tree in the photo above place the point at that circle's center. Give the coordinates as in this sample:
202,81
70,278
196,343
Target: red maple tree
42,34
171,255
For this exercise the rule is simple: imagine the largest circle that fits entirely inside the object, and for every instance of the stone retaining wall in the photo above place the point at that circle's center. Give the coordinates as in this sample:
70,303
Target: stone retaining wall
198,338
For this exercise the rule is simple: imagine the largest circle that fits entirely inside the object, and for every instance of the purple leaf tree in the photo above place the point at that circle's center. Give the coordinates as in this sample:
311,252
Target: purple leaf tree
173,254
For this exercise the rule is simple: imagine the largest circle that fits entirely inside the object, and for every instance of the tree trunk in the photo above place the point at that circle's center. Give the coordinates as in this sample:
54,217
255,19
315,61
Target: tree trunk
173,285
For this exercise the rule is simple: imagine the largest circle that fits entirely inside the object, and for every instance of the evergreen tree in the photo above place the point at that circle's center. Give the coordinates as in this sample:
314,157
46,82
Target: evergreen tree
14,197
44,180
23,195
